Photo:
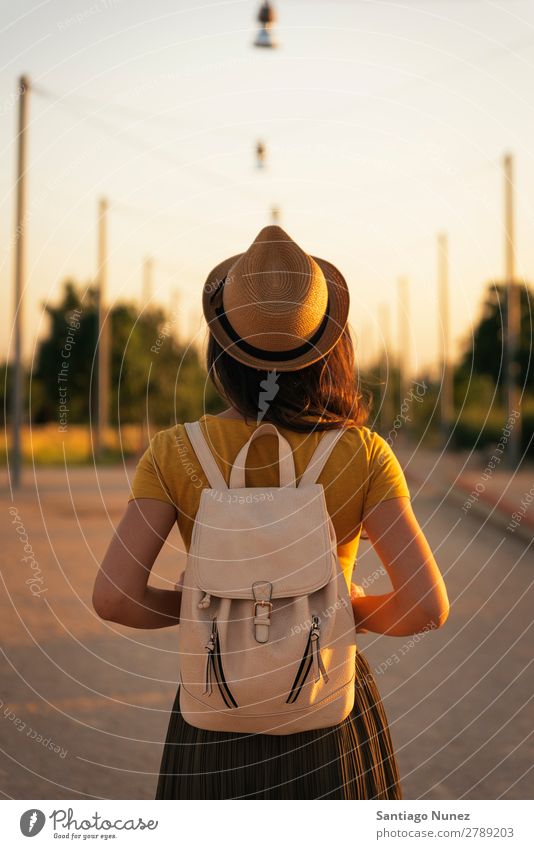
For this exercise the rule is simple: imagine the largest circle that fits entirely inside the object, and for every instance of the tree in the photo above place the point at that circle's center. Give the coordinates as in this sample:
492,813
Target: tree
484,352
72,323
153,377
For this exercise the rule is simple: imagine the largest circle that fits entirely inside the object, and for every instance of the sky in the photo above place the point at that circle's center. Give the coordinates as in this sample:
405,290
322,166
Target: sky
385,124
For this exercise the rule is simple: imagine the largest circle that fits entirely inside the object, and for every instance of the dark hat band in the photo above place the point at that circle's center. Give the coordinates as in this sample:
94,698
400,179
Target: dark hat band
261,353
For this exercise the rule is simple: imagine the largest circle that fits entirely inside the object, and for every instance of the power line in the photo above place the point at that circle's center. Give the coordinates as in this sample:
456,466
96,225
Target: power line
119,134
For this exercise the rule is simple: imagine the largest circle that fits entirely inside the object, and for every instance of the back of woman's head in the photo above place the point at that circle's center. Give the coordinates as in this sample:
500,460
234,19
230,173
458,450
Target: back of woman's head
322,395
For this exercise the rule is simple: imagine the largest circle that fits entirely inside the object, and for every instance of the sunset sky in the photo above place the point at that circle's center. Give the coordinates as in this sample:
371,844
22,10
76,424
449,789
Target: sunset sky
385,123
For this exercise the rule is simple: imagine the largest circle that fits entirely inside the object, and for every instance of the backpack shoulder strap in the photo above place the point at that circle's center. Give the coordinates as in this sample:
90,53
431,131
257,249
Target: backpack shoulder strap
204,456
320,456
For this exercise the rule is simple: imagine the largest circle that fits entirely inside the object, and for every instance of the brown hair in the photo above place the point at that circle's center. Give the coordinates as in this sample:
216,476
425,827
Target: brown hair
321,396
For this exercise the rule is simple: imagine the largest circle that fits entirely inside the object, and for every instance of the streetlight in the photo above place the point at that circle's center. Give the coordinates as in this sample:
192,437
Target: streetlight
266,18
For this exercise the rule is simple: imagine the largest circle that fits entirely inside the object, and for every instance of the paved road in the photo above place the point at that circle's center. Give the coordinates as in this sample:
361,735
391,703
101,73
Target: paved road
85,704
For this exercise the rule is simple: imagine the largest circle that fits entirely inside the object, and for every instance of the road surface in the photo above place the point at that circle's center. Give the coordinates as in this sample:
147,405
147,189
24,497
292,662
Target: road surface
84,704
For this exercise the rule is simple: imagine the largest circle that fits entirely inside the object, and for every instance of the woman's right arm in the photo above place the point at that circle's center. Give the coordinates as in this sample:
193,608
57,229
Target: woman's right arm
418,601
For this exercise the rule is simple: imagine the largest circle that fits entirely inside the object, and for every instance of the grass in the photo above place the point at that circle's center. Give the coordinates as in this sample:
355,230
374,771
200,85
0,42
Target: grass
46,445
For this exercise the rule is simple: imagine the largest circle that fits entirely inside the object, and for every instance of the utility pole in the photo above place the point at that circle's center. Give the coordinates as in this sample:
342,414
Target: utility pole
194,334
17,388
174,302
102,417
174,310
446,395
146,299
513,402
367,347
148,267
386,416
404,339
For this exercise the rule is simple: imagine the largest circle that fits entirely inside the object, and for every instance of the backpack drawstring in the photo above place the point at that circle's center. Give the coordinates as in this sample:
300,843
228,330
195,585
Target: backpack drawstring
318,665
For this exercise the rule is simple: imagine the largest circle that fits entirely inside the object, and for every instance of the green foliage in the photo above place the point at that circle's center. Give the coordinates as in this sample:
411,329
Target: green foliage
478,428
474,390
479,379
153,377
484,351
74,309
158,381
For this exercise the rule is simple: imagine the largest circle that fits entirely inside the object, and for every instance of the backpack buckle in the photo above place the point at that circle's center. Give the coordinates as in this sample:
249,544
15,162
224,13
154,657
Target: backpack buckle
262,591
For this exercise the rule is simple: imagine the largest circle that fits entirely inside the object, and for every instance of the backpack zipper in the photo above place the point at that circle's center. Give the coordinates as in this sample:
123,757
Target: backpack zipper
311,657
214,665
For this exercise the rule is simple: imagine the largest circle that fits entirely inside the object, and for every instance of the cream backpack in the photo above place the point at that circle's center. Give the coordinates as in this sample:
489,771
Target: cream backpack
266,639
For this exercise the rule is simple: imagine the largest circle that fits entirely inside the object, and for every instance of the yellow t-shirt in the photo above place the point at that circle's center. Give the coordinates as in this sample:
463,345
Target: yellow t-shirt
361,471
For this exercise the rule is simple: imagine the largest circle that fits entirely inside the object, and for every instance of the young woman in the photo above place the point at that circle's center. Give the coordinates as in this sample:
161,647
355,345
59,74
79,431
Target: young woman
280,350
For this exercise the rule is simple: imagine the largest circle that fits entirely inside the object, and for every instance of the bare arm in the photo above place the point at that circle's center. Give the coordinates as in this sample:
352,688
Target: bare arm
121,592
418,600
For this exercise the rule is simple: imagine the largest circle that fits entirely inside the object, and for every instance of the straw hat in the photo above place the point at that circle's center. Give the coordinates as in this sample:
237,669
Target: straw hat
274,307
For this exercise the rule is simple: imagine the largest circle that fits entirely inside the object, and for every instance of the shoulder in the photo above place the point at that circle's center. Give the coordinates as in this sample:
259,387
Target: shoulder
365,452
173,442
363,441
163,443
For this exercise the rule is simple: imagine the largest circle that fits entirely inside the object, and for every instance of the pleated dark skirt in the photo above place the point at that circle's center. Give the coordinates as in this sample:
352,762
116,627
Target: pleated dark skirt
352,760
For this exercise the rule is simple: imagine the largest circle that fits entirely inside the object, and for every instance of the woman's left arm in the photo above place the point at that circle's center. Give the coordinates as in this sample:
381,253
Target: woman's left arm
121,593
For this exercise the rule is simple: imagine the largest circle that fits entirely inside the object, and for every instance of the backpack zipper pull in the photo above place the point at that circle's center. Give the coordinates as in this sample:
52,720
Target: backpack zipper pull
318,665
204,602
210,648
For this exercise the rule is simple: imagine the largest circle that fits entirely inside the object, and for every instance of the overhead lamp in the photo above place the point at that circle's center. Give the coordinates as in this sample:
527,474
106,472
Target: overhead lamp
261,154
266,18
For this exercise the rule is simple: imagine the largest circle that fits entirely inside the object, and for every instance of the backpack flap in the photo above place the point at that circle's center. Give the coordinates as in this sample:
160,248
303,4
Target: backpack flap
249,536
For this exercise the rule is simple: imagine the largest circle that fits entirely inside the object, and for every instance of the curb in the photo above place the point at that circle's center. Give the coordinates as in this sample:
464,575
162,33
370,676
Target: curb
499,514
